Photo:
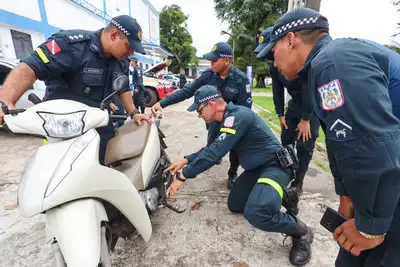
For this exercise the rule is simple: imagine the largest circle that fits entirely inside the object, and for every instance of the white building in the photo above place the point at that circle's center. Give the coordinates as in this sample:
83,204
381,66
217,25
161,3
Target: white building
25,24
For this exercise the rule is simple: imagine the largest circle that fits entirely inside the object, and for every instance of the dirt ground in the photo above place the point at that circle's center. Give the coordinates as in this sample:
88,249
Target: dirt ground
208,236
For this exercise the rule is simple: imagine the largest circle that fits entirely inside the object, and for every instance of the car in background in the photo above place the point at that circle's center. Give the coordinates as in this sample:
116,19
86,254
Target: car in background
156,88
39,88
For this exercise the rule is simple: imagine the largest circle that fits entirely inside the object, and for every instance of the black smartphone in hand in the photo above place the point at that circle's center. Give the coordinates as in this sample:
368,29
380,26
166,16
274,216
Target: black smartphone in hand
332,219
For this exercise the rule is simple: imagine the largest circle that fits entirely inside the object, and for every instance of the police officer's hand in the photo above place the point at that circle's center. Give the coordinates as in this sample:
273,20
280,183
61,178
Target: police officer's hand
113,107
176,166
346,207
283,123
10,106
156,107
138,118
304,130
350,238
175,186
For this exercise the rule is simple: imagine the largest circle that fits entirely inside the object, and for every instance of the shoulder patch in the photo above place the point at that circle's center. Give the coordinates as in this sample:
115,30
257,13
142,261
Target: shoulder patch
229,121
331,95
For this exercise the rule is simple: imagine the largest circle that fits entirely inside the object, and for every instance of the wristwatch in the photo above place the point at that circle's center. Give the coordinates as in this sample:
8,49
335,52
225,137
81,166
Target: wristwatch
134,112
372,236
178,177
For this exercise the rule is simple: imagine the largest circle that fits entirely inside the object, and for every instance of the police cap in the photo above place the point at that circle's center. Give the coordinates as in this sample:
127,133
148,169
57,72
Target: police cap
129,26
203,94
298,19
219,50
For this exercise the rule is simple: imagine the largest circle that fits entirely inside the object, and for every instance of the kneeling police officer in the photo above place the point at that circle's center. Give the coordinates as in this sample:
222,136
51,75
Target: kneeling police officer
258,191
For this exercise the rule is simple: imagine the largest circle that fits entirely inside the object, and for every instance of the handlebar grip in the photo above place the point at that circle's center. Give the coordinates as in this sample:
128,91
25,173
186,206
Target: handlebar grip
34,98
118,117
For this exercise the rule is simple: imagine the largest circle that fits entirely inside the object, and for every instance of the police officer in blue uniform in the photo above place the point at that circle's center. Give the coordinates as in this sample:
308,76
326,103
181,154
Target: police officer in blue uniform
299,125
258,191
231,82
349,81
137,83
80,65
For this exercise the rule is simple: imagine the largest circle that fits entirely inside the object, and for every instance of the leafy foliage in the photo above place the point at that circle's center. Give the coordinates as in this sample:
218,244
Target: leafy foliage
248,18
175,36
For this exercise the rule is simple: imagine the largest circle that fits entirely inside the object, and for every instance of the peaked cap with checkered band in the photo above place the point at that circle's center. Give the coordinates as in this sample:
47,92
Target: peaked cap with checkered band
202,95
298,19
131,28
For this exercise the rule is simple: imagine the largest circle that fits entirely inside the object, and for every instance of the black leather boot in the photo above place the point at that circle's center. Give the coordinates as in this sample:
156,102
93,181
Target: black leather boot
232,175
300,253
298,181
290,200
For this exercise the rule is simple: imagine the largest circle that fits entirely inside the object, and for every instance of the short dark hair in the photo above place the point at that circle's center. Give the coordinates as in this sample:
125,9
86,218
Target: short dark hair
312,36
111,26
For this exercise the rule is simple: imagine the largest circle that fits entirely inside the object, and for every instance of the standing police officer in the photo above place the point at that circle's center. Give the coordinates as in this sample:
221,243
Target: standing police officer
349,81
137,83
295,124
231,82
258,191
80,65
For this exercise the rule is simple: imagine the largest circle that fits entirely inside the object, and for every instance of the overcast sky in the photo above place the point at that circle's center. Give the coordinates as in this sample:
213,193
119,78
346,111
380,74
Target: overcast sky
371,19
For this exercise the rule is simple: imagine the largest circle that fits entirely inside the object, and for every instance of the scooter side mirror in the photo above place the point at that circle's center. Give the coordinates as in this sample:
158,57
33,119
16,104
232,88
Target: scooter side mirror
120,84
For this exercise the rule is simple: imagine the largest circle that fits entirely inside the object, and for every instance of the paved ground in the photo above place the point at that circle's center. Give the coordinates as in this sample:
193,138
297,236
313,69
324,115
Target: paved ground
209,236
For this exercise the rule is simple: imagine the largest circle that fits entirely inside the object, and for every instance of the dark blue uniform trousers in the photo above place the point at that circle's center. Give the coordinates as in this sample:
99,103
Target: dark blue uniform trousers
261,202
362,171
213,131
289,136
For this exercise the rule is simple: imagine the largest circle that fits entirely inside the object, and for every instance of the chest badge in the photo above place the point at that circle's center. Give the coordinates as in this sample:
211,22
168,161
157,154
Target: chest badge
331,95
87,90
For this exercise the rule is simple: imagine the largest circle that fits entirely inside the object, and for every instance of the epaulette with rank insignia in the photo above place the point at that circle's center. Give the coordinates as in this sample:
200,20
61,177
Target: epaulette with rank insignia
77,37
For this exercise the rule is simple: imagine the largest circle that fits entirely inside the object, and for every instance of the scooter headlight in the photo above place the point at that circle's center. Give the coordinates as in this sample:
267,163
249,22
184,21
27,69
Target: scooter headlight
65,165
68,125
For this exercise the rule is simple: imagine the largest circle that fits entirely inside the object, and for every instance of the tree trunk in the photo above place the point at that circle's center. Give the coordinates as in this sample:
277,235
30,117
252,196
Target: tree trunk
314,4
260,81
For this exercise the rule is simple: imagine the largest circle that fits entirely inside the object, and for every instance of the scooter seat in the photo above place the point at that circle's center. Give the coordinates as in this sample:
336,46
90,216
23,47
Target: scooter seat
128,143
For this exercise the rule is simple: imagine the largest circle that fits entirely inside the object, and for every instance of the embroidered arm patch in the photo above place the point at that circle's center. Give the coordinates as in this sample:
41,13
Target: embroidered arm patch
331,95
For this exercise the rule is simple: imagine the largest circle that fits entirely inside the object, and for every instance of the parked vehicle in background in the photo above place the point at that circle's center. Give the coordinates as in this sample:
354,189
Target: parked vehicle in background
156,88
39,88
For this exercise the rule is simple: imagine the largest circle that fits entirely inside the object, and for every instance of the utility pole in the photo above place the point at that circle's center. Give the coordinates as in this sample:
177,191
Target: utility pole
314,4
233,44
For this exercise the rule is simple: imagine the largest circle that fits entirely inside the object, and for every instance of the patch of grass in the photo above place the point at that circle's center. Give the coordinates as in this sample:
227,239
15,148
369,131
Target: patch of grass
266,89
322,165
267,103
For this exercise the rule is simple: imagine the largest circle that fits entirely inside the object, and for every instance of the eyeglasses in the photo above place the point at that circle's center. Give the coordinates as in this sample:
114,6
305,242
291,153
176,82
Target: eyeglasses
200,110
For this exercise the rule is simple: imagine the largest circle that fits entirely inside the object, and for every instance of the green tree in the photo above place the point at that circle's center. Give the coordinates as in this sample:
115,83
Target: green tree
394,48
247,18
175,36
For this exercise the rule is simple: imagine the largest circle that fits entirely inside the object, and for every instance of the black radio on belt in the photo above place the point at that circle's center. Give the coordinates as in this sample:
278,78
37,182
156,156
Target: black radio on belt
287,157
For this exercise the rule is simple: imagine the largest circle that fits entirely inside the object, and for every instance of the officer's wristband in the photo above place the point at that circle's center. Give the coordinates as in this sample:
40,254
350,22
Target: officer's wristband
178,177
134,112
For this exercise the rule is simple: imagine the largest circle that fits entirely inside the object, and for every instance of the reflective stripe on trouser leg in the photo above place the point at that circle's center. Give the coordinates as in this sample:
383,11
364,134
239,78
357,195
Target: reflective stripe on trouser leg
272,183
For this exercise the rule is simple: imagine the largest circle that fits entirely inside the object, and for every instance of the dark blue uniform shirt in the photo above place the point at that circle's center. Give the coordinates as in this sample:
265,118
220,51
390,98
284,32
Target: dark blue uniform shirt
348,79
300,95
73,67
243,131
234,88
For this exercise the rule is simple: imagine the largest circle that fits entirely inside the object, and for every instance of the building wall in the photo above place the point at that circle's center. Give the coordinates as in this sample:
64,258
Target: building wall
41,18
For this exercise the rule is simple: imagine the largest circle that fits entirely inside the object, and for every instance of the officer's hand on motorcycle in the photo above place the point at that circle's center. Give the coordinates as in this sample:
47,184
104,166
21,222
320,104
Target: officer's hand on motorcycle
10,107
175,186
138,118
113,107
283,123
176,166
304,130
346,207
351,239
156,107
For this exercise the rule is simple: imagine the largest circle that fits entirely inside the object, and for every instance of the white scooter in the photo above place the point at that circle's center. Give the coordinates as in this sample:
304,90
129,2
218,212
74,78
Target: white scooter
88,206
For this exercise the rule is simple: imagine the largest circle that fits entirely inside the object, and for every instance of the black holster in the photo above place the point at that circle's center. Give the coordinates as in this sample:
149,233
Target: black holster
287,158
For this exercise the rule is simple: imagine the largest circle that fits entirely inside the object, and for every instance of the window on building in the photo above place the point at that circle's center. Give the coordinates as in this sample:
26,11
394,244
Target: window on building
22,43
141,65
147,66
194,72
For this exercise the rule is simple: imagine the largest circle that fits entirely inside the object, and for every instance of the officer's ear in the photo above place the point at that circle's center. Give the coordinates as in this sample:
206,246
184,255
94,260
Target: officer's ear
290,39
114,34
